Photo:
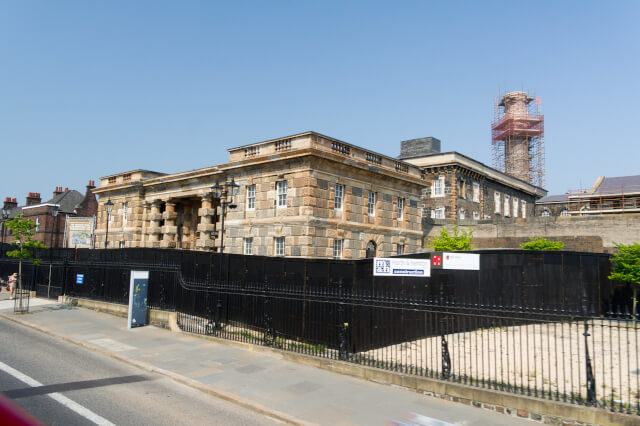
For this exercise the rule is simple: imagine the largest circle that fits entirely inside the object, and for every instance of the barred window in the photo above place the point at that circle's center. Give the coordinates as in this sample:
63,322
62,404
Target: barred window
338,197
279,246
248,246
337,248
400,215
251,197
281,189
372,204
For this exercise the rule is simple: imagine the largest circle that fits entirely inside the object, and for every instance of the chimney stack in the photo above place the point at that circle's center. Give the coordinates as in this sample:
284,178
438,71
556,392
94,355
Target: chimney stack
57,191
33,198
10,203
91,184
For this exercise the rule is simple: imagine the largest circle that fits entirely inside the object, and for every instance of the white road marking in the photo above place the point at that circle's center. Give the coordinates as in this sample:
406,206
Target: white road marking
72,405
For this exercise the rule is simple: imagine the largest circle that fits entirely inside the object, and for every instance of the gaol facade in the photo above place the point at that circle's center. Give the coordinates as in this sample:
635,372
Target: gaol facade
306,195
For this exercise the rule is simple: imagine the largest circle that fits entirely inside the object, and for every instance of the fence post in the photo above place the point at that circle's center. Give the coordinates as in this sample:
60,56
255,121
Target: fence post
269,333
446,358
591,380
342,326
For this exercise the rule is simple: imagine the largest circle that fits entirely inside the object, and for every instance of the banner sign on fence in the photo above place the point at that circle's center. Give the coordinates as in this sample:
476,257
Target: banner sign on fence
138,287
79,278
400,267
465,261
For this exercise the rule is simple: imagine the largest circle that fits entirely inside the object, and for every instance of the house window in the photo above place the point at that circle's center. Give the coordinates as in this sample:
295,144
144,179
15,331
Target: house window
371,250
399,249
37,224
125,207
251,197
279,246
564,212
462,214
515,207
400,214
248,246
337,249
507,205
438,187
121,244
372,204
476,216
281,189
545,213
437,213
524,208
338,197
476,192
496,202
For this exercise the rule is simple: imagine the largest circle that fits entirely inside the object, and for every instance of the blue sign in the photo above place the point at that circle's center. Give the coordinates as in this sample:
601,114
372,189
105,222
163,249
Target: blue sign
138,298
79,278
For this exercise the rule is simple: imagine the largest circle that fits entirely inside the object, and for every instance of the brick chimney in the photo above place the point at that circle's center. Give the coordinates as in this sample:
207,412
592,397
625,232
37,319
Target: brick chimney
33,198
91,184
10,203
57,191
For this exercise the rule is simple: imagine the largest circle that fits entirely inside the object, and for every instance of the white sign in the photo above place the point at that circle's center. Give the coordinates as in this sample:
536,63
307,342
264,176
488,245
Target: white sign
394,267
467,261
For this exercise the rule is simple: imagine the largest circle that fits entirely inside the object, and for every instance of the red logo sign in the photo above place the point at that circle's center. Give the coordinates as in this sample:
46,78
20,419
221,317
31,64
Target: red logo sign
437,261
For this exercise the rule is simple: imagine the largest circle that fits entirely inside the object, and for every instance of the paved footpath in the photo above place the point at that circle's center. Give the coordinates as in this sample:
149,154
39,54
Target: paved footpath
260,380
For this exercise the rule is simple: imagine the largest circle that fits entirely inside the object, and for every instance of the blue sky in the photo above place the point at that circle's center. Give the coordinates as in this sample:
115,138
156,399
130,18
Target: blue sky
90,88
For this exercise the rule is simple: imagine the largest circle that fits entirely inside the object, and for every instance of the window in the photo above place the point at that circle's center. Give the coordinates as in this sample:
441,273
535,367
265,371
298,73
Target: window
279,246
371,250
281,189
437,213
112,180
476,192
248,246
476,216
515,207
400,214
564,212
372,203
545,213
462,214
126,178
496,202
37,224
337,249
121,244
507,205
338,197
524,209
438,187
251,197
125,207
399,249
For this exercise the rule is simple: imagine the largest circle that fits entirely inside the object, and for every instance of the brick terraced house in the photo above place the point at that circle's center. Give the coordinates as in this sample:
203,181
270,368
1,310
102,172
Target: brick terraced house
308,195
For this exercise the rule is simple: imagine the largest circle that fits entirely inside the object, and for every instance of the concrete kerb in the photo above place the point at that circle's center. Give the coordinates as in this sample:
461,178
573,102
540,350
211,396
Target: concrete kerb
235,399
479,397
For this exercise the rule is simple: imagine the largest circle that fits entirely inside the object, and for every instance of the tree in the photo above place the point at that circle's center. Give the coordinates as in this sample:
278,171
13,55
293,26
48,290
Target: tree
460,240
626,267
541,243
23,232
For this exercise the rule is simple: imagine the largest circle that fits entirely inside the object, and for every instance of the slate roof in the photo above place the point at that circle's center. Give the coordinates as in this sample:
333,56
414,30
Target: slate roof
67,201
618,185
563,198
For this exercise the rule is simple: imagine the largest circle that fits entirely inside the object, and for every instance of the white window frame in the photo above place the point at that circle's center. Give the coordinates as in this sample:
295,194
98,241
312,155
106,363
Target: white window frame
281,193
496,202
462,214
278,246
399,249
523,203
338,197
437,188
476,215
248,246
251,197
476,192
338,246
400,212
507,206
437,213
371,204
516,207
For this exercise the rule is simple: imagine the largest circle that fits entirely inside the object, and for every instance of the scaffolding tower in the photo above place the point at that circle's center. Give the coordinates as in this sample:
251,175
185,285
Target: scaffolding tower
517,138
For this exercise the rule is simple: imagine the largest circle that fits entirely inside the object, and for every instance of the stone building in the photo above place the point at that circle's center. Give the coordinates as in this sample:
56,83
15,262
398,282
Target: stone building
306,195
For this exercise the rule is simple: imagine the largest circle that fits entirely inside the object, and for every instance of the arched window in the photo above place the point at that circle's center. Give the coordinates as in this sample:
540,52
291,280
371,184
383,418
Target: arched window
371,249
545,213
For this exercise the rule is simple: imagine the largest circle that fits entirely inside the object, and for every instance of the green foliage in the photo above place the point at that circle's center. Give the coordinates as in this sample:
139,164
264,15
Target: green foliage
460,240
23,232
541,243
626,263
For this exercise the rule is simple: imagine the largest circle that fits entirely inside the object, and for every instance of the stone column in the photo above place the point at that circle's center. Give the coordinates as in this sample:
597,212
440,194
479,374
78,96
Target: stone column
169,230
205,225
155,217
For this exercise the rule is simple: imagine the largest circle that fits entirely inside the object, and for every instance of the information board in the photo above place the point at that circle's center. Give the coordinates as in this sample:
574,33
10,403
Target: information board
138,287
464,261
401,267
